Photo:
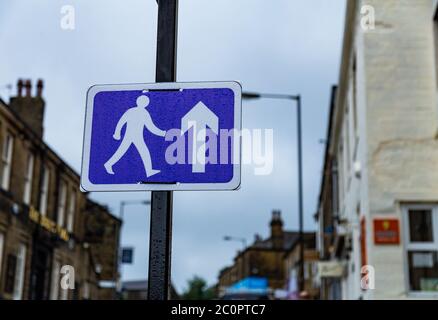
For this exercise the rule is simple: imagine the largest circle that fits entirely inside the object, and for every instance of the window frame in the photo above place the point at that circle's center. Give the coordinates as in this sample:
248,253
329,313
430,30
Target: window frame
55,279
20,272
71,212
62,203
418,246
8,147
44,192
11,269
28,178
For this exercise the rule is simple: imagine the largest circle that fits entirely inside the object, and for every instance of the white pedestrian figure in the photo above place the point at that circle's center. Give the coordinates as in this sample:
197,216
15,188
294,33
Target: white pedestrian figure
136,119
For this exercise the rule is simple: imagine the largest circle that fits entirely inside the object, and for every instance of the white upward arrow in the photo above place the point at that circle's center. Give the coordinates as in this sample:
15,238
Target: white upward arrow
199,117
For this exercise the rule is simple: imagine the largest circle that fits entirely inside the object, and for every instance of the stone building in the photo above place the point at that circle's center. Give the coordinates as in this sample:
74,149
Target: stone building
46,223
378,207
264,258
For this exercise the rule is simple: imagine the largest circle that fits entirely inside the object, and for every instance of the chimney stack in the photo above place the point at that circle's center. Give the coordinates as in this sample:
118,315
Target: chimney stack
277,235
40,86
28,108
28,88
19,88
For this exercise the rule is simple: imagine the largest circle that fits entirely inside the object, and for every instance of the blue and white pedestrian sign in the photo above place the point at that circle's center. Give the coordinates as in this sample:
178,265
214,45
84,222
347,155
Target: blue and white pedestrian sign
162,136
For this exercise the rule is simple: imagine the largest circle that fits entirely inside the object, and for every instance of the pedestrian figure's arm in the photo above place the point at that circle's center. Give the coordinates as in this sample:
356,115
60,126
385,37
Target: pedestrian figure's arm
118,130
153,128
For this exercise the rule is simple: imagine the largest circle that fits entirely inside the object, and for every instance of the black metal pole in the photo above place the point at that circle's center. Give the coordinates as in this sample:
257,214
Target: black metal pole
119,254
300,195
160,244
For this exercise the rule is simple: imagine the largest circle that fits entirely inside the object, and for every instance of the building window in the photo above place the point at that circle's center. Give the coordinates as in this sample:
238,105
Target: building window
61,203
20,273
422,248
11,266
7,161
28,179
54,288
71,213
2,240
44,191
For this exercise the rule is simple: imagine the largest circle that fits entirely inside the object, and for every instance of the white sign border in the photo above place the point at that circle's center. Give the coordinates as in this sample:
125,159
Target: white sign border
88,186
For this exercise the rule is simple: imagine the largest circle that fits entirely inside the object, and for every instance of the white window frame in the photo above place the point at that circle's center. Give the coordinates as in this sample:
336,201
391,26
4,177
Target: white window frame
8,149
71,212
54,285
20,272
45,191
28,179
419,246
62,201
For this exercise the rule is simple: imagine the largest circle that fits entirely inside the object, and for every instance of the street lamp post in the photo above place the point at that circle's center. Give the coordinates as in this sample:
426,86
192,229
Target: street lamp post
243,241
128,202
123,204
297,99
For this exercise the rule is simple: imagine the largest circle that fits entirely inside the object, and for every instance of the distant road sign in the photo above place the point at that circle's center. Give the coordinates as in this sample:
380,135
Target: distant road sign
162,136
128,255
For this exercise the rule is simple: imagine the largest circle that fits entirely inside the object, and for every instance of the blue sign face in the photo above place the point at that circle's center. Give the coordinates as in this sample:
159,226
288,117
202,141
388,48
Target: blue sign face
171,136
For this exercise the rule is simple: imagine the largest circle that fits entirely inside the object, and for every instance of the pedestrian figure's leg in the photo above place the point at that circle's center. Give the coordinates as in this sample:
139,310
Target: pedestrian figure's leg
146,158
121,150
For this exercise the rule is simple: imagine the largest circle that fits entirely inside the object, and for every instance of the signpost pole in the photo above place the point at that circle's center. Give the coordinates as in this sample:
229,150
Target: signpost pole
300,195
161,209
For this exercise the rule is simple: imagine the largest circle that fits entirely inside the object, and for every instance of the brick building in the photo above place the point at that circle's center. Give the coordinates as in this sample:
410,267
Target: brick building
264,258
45,221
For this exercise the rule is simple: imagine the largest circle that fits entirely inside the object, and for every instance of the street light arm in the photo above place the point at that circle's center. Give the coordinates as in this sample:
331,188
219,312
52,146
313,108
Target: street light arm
230,238
255,95
127,202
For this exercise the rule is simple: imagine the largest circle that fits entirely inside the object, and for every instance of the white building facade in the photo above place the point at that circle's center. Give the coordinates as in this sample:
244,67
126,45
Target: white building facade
379,195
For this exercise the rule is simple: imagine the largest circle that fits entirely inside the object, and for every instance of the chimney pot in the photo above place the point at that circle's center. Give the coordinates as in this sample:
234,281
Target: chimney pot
19,88
276,215
40,86
28,88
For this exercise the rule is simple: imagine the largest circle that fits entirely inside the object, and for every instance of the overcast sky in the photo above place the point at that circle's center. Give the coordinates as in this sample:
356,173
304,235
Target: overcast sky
281,46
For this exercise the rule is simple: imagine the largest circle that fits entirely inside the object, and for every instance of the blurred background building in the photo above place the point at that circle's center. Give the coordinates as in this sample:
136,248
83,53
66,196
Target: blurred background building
378,213
45,221
268,268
